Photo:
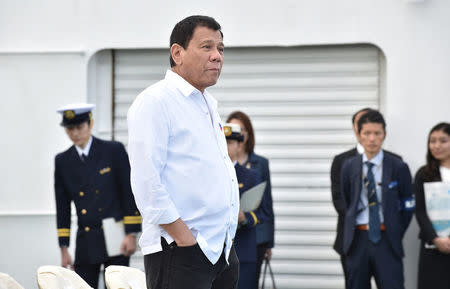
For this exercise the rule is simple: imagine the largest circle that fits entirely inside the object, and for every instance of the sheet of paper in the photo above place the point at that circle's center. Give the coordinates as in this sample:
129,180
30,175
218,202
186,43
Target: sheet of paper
251,199
437,199
114,234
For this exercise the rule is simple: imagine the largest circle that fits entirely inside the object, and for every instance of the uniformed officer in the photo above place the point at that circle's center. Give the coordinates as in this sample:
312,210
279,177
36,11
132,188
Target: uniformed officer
95,175
245,240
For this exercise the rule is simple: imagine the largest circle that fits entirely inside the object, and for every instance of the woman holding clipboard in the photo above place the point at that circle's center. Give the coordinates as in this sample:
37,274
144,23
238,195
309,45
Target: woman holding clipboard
434,260
245,239
247,158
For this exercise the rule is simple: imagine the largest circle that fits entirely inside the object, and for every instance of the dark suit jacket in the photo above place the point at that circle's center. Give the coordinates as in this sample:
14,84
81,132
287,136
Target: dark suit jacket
427,232
265,231
100,188
336,195
338,203
396,189
245,239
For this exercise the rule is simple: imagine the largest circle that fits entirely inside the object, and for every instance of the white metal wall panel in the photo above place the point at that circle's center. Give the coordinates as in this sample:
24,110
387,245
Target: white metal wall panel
300,100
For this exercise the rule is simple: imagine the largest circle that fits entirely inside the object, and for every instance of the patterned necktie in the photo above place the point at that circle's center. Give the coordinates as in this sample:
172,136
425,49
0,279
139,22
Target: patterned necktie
374,206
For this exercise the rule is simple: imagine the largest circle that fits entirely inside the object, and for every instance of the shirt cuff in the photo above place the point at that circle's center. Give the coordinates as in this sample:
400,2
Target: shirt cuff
251,218
163,216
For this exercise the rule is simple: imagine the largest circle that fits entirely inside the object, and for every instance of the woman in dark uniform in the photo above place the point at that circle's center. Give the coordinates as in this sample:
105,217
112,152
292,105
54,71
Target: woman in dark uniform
245,239
434,260
247,158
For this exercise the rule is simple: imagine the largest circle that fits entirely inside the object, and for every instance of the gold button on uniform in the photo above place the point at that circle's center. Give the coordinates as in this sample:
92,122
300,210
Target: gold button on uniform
84,211
87,229
81,194
99,209
96,191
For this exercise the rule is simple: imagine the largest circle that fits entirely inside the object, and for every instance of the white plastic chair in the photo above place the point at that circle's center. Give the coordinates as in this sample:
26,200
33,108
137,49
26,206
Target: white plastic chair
121,277
7,282
55,277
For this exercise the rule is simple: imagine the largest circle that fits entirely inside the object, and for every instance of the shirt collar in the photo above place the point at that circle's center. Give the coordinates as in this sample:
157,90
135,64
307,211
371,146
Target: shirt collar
86,149
445,174
211,100
179,82
377,160
186,88
359,148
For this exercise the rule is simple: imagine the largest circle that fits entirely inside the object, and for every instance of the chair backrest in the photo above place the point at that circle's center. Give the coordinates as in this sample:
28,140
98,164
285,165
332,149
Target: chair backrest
7,282
55,277
121,277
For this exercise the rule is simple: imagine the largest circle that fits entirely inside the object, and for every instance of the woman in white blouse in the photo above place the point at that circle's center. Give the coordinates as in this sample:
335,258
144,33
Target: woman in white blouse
434,260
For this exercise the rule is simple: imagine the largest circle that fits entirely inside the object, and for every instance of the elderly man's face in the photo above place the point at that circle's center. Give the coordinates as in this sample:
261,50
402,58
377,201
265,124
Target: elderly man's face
201,62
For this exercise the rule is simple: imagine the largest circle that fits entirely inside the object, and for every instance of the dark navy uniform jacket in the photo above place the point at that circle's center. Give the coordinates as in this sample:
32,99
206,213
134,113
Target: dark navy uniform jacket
265,230
245,240
396,195
100,188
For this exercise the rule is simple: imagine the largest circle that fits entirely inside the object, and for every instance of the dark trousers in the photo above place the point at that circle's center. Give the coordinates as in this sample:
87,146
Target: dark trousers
366,259
261,251
90,272
433,269
247,276
344,270
187,267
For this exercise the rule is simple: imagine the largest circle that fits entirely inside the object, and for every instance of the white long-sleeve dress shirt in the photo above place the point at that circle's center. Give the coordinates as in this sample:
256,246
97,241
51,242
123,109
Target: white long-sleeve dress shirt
180,166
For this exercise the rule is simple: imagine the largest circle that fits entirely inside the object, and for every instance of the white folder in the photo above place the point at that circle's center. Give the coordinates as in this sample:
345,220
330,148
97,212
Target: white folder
114,234
251,199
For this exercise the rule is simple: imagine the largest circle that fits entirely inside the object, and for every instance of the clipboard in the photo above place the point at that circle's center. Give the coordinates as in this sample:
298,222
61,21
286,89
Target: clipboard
251,199
114,232
437,201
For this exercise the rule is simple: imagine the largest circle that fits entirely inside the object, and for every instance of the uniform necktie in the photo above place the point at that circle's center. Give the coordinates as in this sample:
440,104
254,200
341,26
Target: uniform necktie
374,205
84,157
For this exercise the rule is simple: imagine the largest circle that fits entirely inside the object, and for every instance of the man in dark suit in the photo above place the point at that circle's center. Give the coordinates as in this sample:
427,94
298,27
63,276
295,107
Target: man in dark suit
95,175
336,186
378,203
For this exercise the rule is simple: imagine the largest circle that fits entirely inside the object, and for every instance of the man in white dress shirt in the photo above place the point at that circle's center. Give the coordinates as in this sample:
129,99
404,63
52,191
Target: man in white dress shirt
184,183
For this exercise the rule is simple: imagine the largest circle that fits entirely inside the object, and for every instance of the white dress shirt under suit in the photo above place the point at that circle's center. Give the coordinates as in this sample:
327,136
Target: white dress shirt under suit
86,149
377,170
180,166
359,148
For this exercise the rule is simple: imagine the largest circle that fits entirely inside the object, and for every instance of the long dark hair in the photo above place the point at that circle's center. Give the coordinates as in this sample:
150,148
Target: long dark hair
431,170
239,115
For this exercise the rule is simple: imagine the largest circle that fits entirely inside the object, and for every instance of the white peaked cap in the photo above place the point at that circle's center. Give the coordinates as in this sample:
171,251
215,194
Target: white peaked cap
235,128
77,108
